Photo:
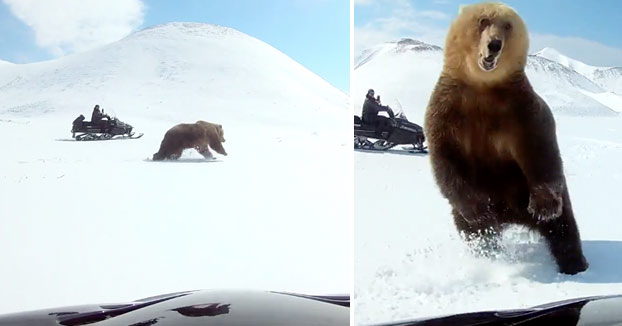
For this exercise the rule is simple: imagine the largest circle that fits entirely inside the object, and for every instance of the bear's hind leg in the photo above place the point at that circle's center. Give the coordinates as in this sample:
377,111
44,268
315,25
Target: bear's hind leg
564,240
482,237
175,155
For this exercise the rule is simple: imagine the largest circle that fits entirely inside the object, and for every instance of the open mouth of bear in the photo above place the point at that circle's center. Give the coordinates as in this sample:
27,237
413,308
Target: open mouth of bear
488,63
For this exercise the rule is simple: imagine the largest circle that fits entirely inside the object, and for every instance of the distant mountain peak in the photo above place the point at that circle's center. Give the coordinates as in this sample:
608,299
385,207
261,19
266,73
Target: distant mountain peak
408,44
185,28
547,50
409,41
574,64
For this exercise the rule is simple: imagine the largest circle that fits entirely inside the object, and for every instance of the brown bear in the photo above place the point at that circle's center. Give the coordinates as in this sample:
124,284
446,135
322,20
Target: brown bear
492,140
198,135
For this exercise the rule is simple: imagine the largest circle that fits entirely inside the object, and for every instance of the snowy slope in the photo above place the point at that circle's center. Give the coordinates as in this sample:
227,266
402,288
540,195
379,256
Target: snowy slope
409,261
181,63
576,65
89,222
566,91
385,73
609,78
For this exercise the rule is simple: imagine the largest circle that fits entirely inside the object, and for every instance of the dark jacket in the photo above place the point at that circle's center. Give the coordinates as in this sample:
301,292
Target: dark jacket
97,115
371,108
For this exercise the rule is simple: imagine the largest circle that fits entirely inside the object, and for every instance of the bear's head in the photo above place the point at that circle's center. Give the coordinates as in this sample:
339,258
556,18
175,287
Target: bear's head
215,136
217,146
486,44
221,133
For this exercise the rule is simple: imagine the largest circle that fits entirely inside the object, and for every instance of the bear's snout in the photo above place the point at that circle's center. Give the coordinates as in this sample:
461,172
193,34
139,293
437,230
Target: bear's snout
494,46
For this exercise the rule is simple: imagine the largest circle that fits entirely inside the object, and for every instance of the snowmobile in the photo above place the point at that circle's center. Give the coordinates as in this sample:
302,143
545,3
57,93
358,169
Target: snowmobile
104,130
401,132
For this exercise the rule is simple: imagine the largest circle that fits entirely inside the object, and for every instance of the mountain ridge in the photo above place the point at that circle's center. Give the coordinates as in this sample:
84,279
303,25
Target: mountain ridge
389,67
192,67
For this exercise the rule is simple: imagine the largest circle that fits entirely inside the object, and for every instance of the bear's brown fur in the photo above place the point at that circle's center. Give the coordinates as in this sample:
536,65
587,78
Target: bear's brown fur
199,135
492,139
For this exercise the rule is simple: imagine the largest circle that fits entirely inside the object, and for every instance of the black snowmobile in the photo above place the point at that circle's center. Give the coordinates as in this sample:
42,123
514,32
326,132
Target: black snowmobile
103,130
401,132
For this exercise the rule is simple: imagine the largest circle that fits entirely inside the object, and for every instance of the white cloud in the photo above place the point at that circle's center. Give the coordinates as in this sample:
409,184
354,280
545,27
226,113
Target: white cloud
392,30
432,14
402,21
67,26
382,2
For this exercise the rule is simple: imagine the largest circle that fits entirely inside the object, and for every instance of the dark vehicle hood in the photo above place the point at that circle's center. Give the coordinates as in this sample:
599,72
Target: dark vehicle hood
209,308
588,311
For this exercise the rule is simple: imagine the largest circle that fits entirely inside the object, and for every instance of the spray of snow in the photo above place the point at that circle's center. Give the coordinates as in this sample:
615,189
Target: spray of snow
409,260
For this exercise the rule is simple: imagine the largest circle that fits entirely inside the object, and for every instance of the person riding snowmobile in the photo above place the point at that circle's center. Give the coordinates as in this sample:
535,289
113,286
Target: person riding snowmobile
370,116
97,116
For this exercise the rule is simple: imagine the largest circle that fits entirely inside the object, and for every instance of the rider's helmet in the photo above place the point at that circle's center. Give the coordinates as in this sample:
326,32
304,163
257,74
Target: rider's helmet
370,93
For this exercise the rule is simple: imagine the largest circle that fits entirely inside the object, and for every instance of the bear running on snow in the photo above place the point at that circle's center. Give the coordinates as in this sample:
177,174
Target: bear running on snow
492,139
199,135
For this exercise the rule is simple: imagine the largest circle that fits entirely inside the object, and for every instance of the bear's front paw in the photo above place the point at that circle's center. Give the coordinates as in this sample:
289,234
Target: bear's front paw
545,203
573,266
476,209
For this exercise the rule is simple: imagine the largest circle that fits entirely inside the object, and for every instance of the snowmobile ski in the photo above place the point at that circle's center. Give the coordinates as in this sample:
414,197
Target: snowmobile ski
104,136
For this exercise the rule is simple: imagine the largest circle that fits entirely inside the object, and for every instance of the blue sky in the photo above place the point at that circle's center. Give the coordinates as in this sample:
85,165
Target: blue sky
316,33
586,30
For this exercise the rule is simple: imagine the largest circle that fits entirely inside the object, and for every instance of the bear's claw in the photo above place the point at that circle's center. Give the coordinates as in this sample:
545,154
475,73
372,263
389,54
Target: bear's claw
572,267
545,203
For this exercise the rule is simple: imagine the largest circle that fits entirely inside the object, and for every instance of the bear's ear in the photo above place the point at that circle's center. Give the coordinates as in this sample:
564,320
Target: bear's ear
220,126
461,8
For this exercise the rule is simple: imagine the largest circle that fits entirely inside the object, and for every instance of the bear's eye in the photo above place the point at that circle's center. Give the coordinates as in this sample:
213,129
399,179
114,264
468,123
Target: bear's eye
484,22
508,26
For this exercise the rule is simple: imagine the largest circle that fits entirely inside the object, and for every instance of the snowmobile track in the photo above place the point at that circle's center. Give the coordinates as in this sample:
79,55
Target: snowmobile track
94,137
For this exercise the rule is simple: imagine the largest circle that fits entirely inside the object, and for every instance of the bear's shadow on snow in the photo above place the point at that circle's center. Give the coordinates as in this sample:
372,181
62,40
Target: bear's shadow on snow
392,151
604,257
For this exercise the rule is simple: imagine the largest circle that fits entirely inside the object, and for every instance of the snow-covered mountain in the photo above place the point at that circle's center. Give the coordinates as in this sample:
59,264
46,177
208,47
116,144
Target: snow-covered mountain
86,222
609,78
169,67
409,260
407,70
388,69
401,46
576,65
